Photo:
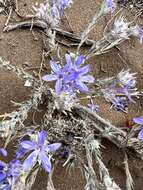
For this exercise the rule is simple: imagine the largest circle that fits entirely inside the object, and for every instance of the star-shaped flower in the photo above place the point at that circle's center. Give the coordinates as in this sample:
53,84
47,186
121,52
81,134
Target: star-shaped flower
39,151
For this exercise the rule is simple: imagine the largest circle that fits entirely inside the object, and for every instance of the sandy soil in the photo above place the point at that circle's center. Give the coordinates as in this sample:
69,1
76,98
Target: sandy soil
20,47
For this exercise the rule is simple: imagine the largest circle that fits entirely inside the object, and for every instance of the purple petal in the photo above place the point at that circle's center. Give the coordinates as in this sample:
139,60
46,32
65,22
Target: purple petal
53,147
67,67
81,86
68,60
85,69
140,135
28,145
42,137
45,162
2,165
55,67
129,97
138,120
30,161
58,86
2,176
3,152
49,77
21,152
80,60
88,78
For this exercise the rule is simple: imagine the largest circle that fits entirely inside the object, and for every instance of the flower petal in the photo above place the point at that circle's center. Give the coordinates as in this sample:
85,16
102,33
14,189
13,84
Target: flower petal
138,120
45,162
28,145
53,147
30,161
50,77
2,165
84,69
140,135
42,137
3,152
21,152
80,60
54,66
2,176
58,86
81,86
87,78
67,67
68,60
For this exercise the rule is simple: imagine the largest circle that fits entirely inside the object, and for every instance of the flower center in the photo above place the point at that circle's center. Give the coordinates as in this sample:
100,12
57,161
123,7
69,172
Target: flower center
60,76
39,147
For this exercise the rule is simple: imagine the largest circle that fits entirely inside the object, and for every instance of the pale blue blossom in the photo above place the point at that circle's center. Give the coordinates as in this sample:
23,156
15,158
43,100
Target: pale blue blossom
71,77
39,151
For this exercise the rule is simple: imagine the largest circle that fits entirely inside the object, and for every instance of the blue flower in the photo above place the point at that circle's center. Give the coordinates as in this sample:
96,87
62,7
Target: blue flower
39,152
71,77
9,173
58,74
77,76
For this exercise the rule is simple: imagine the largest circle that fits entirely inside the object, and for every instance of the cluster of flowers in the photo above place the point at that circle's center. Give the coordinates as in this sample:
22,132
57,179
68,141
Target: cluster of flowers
71,77
121,90
37,149
51,12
